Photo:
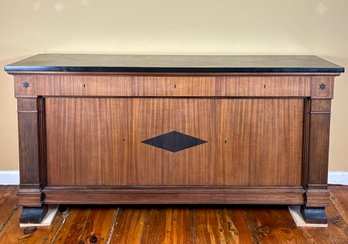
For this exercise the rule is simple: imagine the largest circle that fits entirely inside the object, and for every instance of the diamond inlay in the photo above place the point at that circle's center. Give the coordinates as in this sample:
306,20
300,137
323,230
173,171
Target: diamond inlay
174,141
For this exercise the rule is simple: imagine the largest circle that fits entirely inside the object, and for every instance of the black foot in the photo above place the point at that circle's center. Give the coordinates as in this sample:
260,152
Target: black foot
63,208
33,215
314,215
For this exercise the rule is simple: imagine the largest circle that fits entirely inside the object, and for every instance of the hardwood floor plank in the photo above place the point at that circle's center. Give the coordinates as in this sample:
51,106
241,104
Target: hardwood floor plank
13,234
5,192
237,224
336,232
8,206
339,198
75,223
273,225
155,226
129,225
178,226
212,225
98,225
206,226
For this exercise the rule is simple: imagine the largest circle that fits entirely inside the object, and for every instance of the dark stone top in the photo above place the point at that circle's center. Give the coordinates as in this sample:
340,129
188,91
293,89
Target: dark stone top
174,63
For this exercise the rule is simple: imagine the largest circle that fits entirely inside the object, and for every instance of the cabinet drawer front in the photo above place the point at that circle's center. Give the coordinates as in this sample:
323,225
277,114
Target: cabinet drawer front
164,86
110,141
127,86
265,86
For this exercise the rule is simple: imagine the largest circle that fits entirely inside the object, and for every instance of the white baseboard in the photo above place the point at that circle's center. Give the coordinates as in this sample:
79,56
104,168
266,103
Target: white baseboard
338,178
11,177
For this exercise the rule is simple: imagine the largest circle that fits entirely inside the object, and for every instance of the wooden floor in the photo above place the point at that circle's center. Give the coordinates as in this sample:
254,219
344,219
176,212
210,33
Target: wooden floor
188,224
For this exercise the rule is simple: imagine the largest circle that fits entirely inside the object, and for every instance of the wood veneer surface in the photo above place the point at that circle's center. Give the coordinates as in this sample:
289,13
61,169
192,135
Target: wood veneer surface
98,141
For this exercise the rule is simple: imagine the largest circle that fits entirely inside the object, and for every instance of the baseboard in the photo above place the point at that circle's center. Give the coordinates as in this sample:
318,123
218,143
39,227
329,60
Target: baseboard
11,177
338,178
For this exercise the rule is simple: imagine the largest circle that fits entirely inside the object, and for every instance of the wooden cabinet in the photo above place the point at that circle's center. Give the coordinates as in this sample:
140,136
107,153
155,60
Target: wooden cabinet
121,129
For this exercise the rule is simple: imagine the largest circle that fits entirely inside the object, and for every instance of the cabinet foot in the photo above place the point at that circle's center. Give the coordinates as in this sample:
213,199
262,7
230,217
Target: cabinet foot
33,215
314,215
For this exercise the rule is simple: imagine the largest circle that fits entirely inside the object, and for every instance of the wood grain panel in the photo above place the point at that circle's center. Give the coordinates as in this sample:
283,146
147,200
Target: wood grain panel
322,87
157,85
28,128
25,86
319,148
88,145
64,85
107,149
173,195
320,105
116,85
31,124
262,141
269,86
317,195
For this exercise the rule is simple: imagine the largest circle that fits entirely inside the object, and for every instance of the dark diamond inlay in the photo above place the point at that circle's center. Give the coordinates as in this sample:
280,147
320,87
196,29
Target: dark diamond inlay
174,141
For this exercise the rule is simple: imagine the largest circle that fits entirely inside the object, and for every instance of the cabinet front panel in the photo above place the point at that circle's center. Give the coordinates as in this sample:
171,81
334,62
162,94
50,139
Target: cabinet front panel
101,141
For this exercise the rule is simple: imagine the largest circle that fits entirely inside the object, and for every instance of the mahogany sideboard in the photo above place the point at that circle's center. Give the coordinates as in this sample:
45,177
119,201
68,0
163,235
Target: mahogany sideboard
166,129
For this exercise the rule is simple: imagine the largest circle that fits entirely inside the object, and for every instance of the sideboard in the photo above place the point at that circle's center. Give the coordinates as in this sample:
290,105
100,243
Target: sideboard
167,129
